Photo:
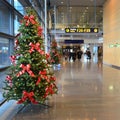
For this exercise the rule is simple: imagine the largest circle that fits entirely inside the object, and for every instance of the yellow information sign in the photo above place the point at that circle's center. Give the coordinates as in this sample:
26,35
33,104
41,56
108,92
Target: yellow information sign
81,30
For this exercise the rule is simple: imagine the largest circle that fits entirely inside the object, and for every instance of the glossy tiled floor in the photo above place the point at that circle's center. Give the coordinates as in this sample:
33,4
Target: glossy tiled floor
87,91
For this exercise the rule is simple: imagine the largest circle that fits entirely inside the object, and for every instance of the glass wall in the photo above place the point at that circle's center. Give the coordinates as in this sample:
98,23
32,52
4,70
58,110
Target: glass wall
4,19
10,1
9,24
16,24
18,6
4,52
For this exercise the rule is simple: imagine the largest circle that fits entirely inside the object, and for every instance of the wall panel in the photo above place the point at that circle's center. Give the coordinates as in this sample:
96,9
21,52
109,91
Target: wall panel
111,30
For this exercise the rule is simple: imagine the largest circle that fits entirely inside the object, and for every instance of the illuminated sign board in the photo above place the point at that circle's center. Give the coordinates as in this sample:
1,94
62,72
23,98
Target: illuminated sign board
81,30
114,45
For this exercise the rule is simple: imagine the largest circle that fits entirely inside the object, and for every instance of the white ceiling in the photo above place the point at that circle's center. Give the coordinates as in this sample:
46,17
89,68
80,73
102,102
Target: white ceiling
77,2
78,13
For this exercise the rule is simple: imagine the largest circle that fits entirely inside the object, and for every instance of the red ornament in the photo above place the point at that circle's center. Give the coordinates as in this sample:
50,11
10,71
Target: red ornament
47,55
49,90
39,31
38,81
16,43
44,72
44,75
8,78
13,58
52,78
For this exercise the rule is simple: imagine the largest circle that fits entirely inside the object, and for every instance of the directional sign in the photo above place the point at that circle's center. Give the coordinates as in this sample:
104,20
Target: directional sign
81,30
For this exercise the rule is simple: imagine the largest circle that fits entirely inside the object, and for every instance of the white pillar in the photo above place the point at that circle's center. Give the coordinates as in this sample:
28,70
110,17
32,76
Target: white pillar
46,46
54,20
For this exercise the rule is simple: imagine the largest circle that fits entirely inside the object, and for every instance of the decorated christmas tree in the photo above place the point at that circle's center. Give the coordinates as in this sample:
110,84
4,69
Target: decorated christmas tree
30,79
54,53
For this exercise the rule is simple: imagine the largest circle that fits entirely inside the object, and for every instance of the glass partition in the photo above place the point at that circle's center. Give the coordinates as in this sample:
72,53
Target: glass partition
4,19
16,24
4,52
10,1
18,6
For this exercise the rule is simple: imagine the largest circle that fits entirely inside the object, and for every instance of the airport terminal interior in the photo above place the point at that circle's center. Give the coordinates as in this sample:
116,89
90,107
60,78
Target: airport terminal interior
59,60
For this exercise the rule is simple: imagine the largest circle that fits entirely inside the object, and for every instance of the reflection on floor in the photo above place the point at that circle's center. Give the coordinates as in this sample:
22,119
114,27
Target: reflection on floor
87,91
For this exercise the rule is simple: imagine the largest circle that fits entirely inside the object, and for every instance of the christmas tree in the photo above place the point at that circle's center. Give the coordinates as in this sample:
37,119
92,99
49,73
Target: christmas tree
30,79
54,53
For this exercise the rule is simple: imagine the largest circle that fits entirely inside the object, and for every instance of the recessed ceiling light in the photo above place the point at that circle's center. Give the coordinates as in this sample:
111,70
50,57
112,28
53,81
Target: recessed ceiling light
62,2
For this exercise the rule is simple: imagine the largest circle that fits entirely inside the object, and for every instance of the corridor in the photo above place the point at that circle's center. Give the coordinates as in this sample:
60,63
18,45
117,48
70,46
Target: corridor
88,90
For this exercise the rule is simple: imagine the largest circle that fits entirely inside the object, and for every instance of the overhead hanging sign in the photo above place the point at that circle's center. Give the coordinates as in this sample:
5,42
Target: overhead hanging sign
73,41
81,30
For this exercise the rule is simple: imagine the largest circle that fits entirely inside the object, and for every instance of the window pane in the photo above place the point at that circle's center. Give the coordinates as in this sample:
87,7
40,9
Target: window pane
18,6
4,19
16,25
4,52
10,1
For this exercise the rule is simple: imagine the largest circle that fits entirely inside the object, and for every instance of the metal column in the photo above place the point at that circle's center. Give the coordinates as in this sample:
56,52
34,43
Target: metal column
46,46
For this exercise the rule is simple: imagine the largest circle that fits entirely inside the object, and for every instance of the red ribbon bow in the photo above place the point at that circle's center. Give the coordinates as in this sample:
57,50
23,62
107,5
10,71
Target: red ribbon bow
36,47
27,95
30,19
27,69
49,90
